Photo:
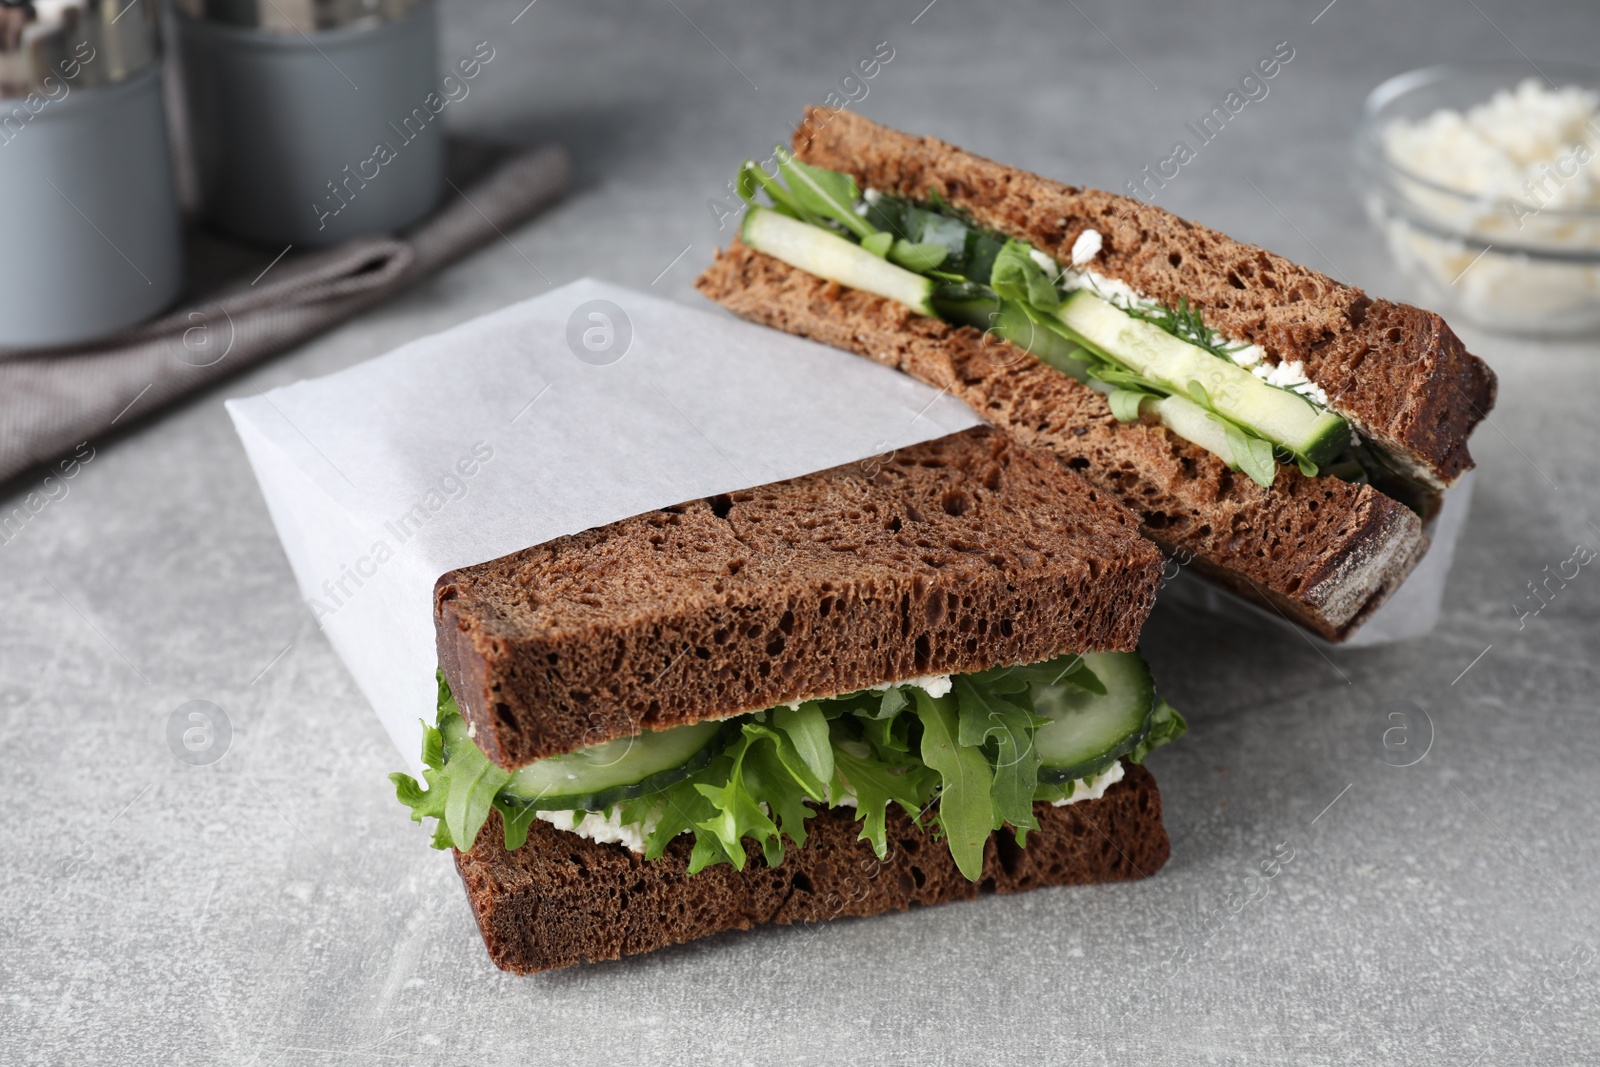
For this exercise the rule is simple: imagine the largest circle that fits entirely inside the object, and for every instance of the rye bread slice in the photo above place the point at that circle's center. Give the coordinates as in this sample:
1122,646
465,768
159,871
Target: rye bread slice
1397,373
1323,552
955,555
561,899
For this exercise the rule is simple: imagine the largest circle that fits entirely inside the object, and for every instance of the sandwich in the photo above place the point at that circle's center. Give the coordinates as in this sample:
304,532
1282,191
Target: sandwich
1287,435
903,681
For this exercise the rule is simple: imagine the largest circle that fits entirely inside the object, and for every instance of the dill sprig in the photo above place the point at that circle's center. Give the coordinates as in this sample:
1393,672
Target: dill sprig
1186,324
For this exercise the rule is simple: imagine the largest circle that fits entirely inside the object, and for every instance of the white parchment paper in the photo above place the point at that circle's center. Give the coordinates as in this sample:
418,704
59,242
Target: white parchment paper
584,406
578,408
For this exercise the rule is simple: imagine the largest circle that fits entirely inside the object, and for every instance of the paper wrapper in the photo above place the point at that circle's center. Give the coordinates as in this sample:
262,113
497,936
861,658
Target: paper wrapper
585,406
576,409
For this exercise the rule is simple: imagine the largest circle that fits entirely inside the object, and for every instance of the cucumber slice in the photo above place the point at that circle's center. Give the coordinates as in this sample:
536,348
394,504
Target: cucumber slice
1088,732
1284,418
827,255
1193,423
594,778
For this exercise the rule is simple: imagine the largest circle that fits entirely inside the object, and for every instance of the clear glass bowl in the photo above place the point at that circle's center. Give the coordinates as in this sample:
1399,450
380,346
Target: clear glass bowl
1503,263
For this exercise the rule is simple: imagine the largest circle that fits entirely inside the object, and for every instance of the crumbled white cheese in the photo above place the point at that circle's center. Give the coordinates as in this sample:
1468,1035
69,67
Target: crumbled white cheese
1248,356
1046,264
1109,289
1508,145
1523,170
1292,376
1093,788
935,685
1086,247
606,829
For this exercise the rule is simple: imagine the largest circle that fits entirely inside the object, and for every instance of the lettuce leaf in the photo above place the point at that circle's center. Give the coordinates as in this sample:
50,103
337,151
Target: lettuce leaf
967,758
462,781
822,193
1251,454
1016,276
986,716
1166,726
1125,403
737,814
966,810
808,736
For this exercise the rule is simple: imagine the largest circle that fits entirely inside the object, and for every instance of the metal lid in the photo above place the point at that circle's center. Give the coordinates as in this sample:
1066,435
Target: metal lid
50,47
298,16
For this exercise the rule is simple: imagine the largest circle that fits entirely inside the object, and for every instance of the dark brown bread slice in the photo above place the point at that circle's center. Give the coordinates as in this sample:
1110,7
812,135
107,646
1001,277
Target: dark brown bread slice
1322,551
561,899
954,555
1396,372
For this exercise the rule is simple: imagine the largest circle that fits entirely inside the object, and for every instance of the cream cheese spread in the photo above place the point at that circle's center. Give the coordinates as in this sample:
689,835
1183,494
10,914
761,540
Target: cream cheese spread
1092,788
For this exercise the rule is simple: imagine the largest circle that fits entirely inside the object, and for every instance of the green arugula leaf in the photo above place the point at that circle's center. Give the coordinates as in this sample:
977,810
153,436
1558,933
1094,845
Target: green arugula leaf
1166,726
680,808
1017,277
516,818
919,257
1070,669
769,775
972,752
1076,672
745,184
1307,468
808,753
751,176
894,702
876,783
966,812
888,735
472,782
737,813
887,213
1253,455
1125,403
826,193
1016,762
878,244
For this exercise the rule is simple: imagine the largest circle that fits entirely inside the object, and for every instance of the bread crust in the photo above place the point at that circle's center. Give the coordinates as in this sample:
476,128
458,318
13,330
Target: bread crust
950,556
561,899
1321,551
1396,372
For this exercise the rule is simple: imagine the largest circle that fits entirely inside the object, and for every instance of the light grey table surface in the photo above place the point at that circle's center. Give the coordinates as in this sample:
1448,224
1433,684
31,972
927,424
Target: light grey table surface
278,907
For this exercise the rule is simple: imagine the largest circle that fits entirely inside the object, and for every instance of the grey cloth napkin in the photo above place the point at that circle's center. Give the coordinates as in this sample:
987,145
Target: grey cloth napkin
51,400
